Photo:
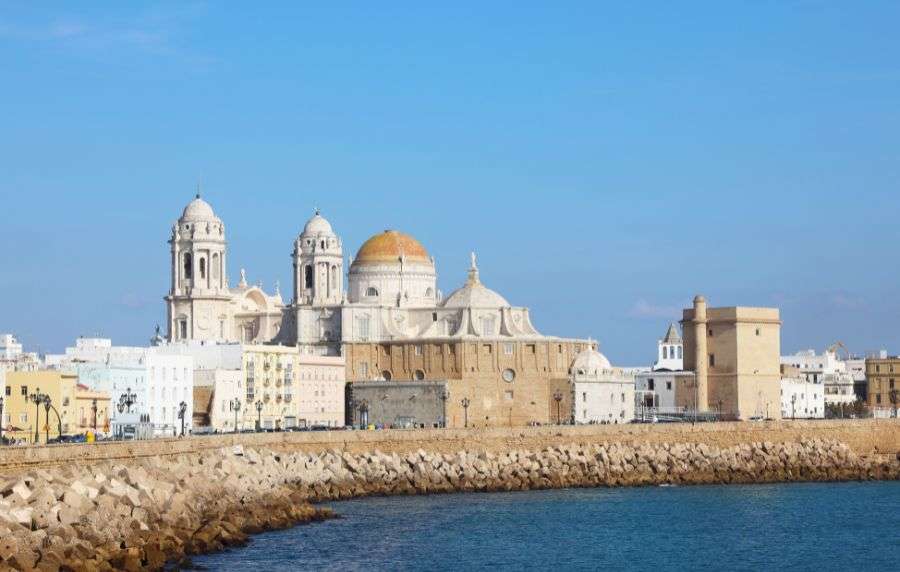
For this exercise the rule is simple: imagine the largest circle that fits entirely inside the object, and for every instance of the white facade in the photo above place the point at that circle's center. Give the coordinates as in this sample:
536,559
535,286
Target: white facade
828,370
802,399
600,392
14,358
160,380
10,348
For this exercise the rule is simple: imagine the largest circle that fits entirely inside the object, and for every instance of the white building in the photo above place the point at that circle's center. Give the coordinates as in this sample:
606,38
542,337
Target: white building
159,379
665,390
802,399
214,392
826,369
321,390
14,358
600,392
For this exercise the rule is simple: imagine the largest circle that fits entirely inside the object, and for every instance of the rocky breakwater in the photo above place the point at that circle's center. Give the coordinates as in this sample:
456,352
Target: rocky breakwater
146,513
141,514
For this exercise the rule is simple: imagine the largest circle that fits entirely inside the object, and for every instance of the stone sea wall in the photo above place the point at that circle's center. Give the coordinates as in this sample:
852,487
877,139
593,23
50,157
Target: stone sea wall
143,512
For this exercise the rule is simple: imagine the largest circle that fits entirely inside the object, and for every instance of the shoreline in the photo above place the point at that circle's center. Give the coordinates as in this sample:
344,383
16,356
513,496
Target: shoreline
143,513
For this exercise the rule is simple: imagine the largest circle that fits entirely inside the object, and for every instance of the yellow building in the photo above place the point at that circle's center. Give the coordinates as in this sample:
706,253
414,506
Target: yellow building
735,355
92,409
22,418
883,381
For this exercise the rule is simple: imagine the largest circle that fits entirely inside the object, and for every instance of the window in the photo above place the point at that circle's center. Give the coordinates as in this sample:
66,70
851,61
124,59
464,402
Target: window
23,418
364,369
308,276
8,390
712,360
486,348
679,352
665,352
188,266
333,277
418,350
878,398
669,385
203,269
584,395
757,331
24,390
434,316
419,375
651,385
371,291
508,395
623,398
710,332
530,348
182,325
508,349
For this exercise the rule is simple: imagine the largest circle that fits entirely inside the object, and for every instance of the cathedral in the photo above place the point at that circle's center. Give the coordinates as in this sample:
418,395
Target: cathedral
390,321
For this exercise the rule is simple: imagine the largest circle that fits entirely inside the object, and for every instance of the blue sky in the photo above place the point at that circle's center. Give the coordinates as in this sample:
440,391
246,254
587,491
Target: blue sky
607,162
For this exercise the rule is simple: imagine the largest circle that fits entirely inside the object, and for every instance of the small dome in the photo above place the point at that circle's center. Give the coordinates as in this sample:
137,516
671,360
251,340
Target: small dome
590,361
198,210
317,225
475,295
388,247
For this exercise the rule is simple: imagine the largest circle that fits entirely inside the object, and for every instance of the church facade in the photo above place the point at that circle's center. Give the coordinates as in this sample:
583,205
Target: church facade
390,321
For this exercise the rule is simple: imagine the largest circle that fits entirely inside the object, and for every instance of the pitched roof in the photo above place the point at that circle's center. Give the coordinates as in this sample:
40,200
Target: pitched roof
672,336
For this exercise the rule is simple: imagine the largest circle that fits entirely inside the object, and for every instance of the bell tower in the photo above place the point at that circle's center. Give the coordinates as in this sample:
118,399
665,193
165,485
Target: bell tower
198,293
318,265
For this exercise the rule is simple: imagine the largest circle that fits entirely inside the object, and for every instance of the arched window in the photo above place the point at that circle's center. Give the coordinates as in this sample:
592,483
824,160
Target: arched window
371,291
665,352
333,277
202,269
188,266
429,293
308,276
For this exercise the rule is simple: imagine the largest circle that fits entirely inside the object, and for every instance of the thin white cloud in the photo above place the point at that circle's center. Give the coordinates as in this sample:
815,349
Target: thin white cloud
644,309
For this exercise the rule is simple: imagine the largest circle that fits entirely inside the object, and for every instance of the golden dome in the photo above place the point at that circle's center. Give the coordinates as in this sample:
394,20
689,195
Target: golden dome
389,246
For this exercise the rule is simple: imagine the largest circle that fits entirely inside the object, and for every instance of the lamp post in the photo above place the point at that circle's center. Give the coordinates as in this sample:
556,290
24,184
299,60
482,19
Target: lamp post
47,419
37,398
445,395
182,409
259,408
126,400
94,411
557,396
720,410
235,405
465,404
793,401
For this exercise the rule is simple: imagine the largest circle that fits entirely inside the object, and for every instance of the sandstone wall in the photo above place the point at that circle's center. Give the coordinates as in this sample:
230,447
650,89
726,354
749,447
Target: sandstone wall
862,436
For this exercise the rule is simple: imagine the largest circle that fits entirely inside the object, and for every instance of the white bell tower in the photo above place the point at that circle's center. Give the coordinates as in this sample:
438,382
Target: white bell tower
318,265
670,351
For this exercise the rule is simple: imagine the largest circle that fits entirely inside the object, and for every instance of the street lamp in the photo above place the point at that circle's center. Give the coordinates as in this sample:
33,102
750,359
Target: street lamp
259,408
557,396
445,395
793,401
235,405
94,410
37,398
182,409
720,410
465,404
126,400
47,419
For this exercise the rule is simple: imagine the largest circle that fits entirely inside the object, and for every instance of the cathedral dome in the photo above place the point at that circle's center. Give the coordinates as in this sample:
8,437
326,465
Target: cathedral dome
590,361
389,246
198,210
317,225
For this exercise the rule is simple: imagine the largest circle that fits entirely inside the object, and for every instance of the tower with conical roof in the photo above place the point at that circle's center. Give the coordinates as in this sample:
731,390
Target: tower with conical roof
670,351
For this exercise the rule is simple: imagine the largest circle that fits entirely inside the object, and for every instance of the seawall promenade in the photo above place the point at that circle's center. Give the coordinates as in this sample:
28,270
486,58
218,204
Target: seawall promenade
137,505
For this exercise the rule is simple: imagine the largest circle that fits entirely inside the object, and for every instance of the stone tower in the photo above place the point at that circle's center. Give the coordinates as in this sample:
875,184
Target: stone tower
701,360
198,297
318,265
